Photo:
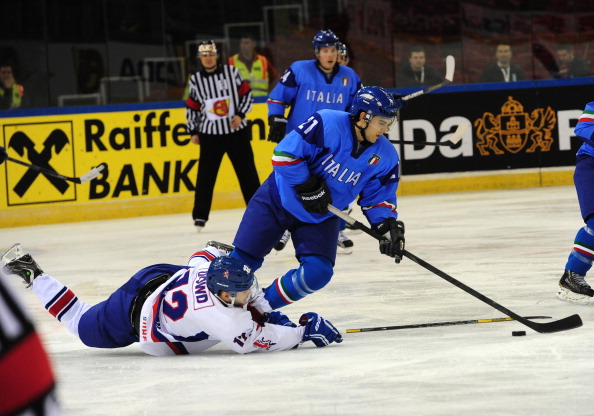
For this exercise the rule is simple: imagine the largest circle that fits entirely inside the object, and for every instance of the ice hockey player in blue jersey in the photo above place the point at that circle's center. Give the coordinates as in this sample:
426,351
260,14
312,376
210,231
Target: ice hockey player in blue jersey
309,86
573,286
331,158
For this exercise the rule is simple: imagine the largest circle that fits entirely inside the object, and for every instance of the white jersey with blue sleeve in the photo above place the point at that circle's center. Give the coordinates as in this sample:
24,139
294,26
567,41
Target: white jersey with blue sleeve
183,317
584,130
326,146
306,89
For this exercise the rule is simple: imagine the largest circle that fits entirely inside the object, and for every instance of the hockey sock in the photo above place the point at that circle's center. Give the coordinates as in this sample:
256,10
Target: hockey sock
312,275
60,301
581,257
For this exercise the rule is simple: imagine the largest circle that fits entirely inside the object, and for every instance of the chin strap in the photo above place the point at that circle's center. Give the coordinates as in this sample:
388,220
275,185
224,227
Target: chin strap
362,130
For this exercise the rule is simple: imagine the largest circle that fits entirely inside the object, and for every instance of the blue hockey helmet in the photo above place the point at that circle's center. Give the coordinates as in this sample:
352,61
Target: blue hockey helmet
343,53
324,38
375,101
229,274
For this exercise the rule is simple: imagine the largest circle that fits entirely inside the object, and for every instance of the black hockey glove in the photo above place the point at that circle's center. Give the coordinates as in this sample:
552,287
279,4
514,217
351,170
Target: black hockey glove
314,195
278,128
3,155
393,245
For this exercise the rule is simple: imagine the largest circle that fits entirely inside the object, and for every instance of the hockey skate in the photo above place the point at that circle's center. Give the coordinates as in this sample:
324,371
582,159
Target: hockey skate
574,289
222,247
283,241
199,224
345,244
15,261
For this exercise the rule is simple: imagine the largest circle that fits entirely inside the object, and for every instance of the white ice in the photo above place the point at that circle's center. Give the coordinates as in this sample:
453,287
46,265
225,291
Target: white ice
509,245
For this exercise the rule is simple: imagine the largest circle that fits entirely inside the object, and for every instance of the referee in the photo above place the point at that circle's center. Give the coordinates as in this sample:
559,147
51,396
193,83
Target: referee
215,111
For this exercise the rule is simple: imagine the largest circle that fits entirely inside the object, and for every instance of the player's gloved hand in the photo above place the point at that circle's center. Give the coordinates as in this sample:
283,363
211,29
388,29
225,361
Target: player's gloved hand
393,244
279,318
3,155
278,128
318,330
314,195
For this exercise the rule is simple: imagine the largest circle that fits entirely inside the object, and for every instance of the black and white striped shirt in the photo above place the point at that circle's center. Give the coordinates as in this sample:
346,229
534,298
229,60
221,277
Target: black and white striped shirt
214,98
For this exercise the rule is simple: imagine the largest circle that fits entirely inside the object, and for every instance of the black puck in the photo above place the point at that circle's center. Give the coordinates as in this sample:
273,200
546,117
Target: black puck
518,333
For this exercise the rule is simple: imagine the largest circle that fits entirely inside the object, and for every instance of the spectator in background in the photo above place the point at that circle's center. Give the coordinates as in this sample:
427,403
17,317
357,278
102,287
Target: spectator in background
216,109
256,69
416,72
11,93
570,66
503,70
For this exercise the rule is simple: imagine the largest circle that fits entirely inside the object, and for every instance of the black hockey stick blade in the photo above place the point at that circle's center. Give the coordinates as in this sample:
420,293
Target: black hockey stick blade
571,322
89,176
432,324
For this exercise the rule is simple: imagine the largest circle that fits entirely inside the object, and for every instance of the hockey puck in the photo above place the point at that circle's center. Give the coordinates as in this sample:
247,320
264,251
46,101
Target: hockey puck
518,333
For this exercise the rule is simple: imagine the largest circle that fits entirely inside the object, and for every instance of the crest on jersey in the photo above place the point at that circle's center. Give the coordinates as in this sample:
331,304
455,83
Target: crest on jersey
264,343
373,160
220,108
226,274
513,129
345,81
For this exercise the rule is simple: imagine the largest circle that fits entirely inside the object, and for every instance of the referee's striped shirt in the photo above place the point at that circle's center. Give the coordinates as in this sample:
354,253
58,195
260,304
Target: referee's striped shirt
214,98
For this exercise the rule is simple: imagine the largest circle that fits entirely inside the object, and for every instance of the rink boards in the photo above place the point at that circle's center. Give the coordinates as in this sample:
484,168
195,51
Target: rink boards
512,143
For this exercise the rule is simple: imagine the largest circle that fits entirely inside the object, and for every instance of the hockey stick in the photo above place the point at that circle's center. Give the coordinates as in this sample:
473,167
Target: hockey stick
451,141
450,66
89,176
570,322
471,321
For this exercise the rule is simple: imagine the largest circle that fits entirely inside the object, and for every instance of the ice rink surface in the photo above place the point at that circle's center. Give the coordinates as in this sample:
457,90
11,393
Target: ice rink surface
509,245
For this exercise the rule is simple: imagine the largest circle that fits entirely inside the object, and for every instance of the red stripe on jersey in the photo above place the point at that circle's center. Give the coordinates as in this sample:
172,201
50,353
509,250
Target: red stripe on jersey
61,303
244,88
26,374
585,119
584,252
193,104
155,315
175,348
203,253
271,101
286,163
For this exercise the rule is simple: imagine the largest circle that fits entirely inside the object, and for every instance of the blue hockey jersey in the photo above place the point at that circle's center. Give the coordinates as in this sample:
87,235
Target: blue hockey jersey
326,146
306,89
584,129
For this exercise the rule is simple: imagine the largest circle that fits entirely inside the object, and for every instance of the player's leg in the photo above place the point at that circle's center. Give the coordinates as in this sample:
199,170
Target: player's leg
262,224
211,154
345,244
315,247
109,323
241,155
573,286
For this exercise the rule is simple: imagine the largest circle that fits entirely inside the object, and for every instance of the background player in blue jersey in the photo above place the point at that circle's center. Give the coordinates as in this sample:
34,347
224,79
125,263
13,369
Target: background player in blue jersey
332,157
573,286
309,86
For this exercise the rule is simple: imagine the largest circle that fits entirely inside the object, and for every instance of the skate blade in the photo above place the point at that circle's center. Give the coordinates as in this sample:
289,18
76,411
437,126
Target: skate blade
568,296
344,250
13,253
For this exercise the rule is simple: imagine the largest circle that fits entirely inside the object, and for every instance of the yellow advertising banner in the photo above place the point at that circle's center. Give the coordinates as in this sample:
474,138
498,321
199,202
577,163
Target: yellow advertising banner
152,165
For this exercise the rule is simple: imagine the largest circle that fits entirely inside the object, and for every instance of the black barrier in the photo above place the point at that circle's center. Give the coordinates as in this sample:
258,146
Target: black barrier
510,128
